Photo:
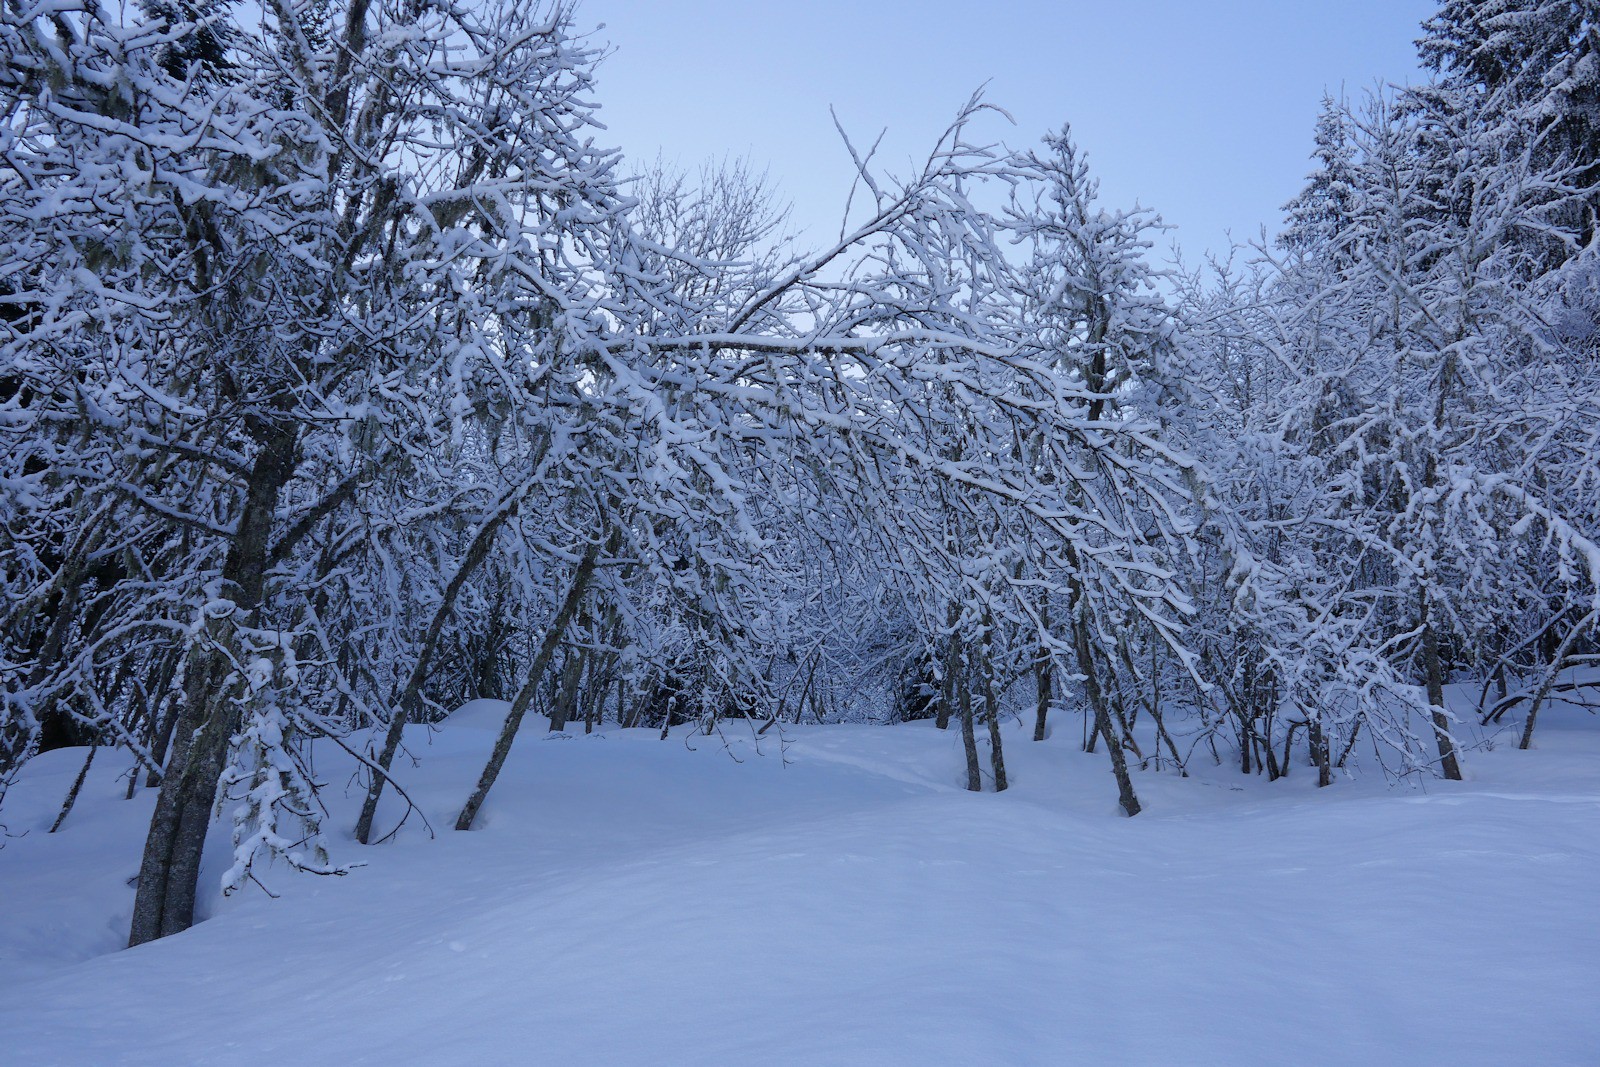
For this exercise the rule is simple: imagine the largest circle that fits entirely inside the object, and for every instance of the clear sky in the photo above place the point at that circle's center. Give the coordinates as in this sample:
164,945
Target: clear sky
1202,110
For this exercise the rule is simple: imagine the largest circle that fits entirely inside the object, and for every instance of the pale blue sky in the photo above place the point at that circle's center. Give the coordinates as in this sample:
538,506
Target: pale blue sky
1201,110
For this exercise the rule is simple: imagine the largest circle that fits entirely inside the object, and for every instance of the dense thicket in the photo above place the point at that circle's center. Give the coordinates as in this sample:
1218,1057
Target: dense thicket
344,378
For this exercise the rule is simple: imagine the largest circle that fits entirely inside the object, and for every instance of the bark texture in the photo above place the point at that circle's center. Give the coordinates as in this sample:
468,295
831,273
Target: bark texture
170,868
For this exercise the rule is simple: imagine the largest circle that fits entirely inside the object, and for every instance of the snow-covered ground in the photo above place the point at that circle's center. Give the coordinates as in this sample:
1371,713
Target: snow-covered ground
632,901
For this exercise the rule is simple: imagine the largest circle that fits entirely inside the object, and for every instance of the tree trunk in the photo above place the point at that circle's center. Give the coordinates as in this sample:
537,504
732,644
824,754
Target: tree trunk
1268,755
410,697
1441,723
77,787
57,728
1118,708
486,672
1288,746
627,716
1164,737
1044,676
1552,674
951,666
1350,745
567,697
991,708
519,706
170,869
1102,718
1318,740
969,739
595,691
164,716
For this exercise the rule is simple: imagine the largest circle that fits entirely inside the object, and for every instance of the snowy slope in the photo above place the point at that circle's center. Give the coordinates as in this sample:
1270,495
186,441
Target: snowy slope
633,901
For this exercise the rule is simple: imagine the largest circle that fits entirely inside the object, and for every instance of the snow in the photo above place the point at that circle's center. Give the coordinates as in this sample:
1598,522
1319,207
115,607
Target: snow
628,900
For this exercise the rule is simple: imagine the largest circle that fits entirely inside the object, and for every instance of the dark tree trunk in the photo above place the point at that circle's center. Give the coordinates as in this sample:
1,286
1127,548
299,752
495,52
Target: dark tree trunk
969,739
670,708
1164,737
1552,673
411,697
77,787
1044,676
1318,740
170,869
1119,710
1102,717
57,728
164,715
1268,756
991,708
536,672
1441,723
1247,743
486,672
567,698
595,693
1349,746
952,661
1288,748
627,715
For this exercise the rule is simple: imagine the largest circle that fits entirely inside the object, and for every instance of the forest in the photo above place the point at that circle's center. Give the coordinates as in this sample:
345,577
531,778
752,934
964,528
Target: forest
348,375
